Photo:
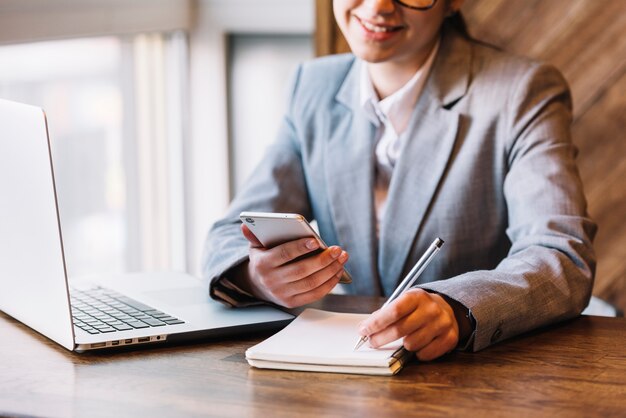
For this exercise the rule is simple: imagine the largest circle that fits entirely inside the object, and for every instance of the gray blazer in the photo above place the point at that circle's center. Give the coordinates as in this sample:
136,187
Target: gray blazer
490,170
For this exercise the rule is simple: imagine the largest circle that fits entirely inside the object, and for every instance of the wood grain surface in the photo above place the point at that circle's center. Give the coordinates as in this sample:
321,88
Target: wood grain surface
586,40
574,369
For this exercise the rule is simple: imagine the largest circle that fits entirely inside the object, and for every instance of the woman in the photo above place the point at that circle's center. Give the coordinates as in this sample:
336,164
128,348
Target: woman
423,132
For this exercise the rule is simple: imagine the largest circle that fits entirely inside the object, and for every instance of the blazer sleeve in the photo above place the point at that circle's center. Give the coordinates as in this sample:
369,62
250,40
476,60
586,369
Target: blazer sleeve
276,185
548,273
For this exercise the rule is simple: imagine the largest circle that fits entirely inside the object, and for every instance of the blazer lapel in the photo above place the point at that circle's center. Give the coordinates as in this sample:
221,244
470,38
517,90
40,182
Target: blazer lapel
424,159
415,179
349,170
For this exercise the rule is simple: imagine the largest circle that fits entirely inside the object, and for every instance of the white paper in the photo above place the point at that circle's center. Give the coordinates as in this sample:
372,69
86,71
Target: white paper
371,370
323,338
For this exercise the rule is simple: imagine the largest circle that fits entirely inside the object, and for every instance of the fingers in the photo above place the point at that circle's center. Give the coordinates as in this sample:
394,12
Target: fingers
316,293
406,304
286,253
440,329
294,291
311,265
254,242
429,329
439,346
319,276
282,260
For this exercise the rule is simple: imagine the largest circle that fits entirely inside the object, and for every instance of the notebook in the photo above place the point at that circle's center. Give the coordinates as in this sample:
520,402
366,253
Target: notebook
107,310
322,341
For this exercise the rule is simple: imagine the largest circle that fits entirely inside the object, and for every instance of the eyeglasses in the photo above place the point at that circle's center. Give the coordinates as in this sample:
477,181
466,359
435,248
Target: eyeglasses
417,4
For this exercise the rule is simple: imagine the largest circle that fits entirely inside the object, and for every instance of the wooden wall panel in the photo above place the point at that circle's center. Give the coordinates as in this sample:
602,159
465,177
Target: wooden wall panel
586,40
328,38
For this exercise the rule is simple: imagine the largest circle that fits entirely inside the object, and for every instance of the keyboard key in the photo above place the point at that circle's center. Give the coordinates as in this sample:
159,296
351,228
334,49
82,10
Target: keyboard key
91,311
174,321
138,314
128,310
91,330
132,312
122,317
121,327
160,315
143,316
86,327
153,312
153,322
108,329
166,318
137,324
109,310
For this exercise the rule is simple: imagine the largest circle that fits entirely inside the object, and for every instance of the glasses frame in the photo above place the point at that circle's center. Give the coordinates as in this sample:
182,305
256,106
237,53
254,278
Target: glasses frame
401,3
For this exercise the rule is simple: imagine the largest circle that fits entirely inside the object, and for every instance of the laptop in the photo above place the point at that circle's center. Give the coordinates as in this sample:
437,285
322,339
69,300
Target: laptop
98,312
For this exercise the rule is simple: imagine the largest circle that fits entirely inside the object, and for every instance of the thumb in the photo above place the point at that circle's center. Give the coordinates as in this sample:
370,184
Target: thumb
254,242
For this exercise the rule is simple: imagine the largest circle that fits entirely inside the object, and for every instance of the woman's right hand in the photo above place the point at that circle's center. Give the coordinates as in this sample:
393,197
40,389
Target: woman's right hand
273,275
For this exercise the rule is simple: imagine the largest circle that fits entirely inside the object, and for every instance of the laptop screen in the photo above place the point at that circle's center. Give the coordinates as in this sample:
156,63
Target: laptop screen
33,285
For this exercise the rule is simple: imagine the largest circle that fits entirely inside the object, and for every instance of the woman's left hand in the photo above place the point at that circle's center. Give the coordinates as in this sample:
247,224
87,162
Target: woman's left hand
424,320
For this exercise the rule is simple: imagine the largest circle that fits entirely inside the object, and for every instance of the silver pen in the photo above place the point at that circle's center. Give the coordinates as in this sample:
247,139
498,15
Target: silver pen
410,278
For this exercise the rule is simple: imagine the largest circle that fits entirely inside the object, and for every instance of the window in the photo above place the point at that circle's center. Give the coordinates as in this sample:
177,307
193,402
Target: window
257,108
137,100
80,85
115,143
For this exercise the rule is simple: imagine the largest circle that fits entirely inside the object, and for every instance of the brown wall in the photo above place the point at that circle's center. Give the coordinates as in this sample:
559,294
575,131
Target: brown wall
586,40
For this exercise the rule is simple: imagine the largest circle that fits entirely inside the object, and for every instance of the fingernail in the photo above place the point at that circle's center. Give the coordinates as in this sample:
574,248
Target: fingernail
344,257
335,252
311,244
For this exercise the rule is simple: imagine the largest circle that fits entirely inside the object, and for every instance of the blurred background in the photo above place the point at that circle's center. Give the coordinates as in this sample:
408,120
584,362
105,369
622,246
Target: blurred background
155,111
159,109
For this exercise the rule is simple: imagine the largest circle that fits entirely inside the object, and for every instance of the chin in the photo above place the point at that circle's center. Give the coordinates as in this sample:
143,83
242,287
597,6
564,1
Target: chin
366,54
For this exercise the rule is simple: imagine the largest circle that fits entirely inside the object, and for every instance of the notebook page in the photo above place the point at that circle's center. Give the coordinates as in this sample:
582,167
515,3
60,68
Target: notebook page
321,337
325,368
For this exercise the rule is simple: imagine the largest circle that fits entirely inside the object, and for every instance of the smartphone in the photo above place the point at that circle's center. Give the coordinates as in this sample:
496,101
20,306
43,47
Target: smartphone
273,229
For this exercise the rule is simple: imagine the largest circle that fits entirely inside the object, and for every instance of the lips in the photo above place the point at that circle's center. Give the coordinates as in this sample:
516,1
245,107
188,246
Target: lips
378,29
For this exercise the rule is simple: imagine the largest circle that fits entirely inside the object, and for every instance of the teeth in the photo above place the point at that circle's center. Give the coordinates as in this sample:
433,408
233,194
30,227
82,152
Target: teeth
375,28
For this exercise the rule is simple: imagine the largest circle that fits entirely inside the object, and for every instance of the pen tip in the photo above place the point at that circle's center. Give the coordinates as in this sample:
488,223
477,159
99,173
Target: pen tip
359,343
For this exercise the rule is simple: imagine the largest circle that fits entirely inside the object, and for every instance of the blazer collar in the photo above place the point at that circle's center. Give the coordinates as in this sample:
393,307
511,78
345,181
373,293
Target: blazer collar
451,74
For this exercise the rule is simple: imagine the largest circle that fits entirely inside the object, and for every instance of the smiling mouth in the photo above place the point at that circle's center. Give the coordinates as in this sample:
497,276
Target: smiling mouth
372,27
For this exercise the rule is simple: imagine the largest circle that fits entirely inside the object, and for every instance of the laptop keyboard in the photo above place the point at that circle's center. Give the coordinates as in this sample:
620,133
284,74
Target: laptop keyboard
100,310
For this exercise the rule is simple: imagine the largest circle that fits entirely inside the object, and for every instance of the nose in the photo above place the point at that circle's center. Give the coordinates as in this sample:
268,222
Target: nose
380,6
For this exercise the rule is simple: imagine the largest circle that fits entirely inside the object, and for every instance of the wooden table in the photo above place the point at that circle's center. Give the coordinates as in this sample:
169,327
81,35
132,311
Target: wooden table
577,368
